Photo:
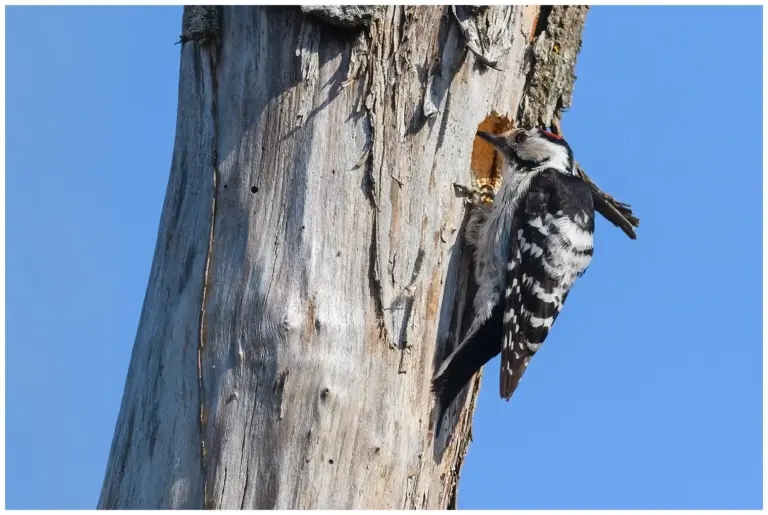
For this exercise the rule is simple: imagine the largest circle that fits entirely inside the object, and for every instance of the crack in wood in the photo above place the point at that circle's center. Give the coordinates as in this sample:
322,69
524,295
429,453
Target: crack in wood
207,51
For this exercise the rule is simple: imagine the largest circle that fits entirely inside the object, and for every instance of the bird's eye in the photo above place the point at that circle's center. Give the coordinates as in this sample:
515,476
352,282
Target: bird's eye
520,137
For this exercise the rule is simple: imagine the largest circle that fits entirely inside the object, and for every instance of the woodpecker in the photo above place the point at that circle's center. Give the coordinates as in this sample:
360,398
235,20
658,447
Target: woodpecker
530,245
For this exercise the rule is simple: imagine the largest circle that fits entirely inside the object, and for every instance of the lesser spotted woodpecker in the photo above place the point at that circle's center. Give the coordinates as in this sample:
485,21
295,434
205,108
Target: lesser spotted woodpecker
530,245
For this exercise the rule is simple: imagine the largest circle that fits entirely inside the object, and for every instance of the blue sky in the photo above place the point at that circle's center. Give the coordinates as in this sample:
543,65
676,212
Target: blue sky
648,393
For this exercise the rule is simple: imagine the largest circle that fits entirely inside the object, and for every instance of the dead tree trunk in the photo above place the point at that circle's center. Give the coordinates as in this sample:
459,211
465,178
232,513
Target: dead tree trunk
307,277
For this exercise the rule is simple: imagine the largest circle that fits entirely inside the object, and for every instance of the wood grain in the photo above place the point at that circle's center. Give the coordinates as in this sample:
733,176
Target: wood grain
307,277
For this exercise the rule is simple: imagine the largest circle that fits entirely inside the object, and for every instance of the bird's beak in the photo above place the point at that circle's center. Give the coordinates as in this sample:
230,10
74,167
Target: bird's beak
495,140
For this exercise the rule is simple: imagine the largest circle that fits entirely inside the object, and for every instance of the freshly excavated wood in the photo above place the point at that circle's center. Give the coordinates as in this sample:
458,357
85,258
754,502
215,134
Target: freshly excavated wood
307,277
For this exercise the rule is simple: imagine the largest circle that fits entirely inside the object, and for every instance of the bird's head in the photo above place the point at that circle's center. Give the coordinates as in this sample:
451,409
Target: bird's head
532,149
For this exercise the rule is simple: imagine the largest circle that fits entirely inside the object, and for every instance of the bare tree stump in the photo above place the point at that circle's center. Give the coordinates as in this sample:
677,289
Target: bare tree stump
307,277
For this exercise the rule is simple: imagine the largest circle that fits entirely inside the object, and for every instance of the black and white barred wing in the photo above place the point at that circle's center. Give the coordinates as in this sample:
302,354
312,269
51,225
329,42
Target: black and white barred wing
543,264
513,360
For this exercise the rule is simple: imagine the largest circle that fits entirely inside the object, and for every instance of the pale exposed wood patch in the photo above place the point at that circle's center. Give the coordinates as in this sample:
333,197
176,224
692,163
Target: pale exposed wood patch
486,161
433,296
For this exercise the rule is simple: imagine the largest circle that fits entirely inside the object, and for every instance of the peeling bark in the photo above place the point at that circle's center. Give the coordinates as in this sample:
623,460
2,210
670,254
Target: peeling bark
309,272
201,24
353,16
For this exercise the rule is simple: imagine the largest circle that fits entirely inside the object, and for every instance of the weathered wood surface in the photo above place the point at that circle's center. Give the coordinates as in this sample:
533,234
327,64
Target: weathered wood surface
305,280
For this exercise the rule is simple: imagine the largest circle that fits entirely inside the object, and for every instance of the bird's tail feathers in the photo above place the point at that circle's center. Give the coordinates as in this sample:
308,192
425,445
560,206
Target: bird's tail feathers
478,347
